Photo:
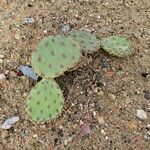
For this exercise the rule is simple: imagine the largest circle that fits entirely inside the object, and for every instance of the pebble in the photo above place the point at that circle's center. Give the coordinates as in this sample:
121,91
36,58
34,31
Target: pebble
1,61
94,113
35,135
29,20
103,132
147,137
86,129
65,28
1,56
106,138
2,76
100,120
9,122
141,114
7,15
105,63
147,95
17,37
45,31
100,93
23,133
98,17
27,71
132,125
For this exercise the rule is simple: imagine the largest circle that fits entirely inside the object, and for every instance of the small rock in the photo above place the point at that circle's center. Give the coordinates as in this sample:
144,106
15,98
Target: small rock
23,133
17,36
100,93
98,17
1,61
111,96
132,125
2,76
86,129
81,122
29,72
29,20
147,137
94,113
65,28
106,138
103,132
7,15
9,122
45,31
100,120
109,74
35,135
105,63
1,56
141,114
147,94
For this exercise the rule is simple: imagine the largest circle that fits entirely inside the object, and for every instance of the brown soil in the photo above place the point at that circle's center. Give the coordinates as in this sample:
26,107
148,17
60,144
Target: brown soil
91,92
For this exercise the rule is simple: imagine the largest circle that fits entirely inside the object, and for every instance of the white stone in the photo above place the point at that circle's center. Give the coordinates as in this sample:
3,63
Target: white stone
9,122
103,132
45,31
2,76
94,113
1,61
1,56
141,114
17,36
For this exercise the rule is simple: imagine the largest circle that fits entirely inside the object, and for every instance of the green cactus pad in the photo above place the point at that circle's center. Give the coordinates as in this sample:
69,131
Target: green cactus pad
45,101
116,45
55,55
89,43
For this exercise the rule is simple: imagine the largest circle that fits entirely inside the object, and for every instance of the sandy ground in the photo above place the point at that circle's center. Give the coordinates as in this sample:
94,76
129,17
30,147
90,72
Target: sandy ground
105,97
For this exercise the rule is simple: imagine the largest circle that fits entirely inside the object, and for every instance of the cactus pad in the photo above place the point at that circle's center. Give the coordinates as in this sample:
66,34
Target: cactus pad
88,42
116,45
45,101
55,55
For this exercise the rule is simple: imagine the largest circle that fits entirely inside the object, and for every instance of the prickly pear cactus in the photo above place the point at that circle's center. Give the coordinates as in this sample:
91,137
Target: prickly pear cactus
45,101
116,45
89,43
54,55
